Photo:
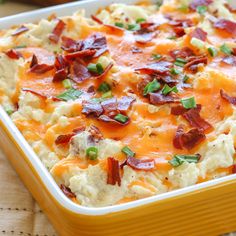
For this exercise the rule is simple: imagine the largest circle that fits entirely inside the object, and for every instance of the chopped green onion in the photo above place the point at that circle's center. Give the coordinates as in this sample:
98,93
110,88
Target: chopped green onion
119,24
159,3
201,10
134,27
156,56
174,71
178,160
180,62
226,49
212,51
121,118
185,79
20,46
92,153
107,95
167,89
70,94
9,110
67,83
197,43
128,151
172,37
188,103
104,87
95,68
140,20
183,8
151,87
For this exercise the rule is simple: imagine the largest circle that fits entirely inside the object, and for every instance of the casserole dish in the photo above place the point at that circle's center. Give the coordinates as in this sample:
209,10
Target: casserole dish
195,210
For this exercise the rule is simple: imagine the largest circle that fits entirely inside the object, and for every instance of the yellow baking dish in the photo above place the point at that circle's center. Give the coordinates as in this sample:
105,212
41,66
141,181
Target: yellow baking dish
204,209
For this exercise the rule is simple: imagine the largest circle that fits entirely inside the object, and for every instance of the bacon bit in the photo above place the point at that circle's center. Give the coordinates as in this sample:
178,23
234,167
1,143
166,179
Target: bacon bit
230,60
92,108
97,42
180,110
147,25
113,174
159,67
187,140
177,139
226,25
70,45
67,191
20,30
137,164
192,138
182,53
181,22
41,68
96,19
234,51
13,54
228,98
160,99
79,130
107,119
125,102
60,62
105,72
192,65
231,7
95,132
57,31
199,34
233,168
195,120
179,31
109,105
34,61
196,3
136,50
60,75
64,138
80,72
84,53
144,38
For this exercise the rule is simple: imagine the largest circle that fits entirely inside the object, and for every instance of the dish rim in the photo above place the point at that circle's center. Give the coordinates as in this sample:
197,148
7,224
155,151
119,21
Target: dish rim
43,173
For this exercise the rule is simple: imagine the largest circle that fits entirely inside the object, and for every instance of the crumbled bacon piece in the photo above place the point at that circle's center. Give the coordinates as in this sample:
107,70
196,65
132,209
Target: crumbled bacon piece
179,25
20,30
107,119
233,168
92,108
159,67
95,132
199,34
178,110
230,60
227,25
188,140
160,99
228,98
13,54
39,94
195,120
57,31
80,54
97,42
79,72
182,53
113,174
64,138
196,3
96,19
125,102
60,62
67,191
60,75
137,164
109,105
192,65
70,45
34,61
41,68
179,31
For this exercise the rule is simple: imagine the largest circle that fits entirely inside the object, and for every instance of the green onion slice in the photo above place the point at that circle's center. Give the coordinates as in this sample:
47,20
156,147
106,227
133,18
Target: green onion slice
226,49
121,118
92,153
167,89
178,160
128,151
70,94
188,103
151,87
